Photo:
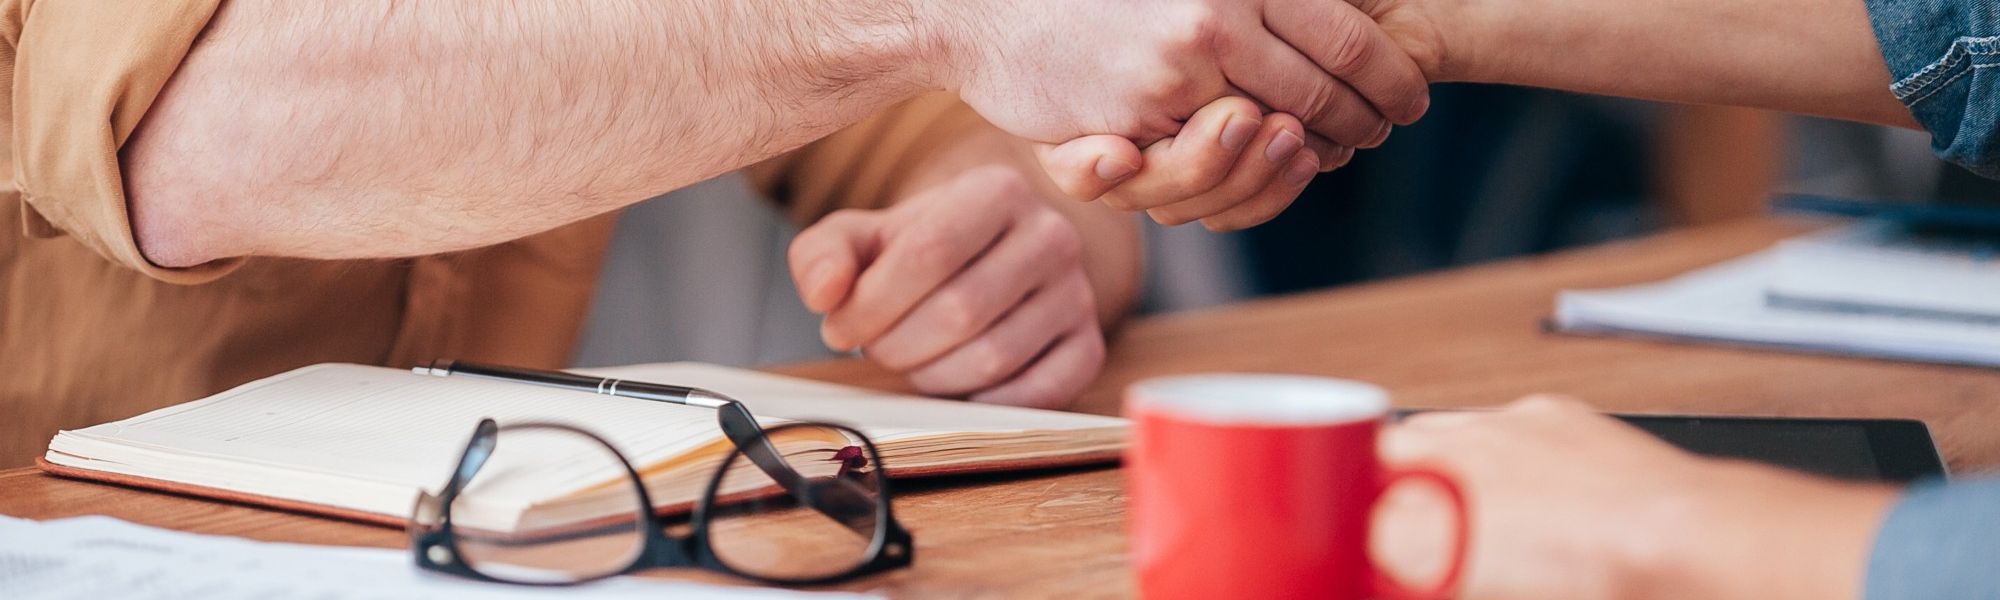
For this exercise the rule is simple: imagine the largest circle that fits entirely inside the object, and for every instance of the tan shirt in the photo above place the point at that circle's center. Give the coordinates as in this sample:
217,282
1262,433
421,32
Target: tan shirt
92,332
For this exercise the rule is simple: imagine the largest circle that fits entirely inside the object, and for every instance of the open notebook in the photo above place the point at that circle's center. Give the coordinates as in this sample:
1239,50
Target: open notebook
359,442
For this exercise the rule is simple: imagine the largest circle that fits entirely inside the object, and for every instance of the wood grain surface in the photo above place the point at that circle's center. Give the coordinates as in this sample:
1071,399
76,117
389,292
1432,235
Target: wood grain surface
1469,337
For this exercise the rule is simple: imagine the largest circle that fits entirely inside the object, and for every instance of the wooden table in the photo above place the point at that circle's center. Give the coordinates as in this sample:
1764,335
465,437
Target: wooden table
1468,337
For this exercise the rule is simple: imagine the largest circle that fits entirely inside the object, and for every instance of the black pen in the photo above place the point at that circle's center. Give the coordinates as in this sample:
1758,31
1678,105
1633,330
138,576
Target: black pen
607,386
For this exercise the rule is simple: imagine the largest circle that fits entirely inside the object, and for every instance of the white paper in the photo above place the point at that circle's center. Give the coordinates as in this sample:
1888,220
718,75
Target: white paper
102,557
1726,302
1887,268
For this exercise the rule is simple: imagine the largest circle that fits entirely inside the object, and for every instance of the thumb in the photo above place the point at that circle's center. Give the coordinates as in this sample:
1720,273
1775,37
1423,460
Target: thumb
827,257
1087,167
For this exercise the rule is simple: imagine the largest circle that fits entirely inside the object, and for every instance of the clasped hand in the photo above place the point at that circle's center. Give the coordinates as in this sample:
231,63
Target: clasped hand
1236,102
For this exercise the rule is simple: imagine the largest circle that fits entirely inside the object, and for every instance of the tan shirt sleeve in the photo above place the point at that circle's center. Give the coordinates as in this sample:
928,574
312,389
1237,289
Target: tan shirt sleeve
82,76
864,165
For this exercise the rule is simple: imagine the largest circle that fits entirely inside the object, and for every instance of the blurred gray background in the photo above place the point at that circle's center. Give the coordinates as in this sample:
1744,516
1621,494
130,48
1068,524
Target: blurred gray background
1492,172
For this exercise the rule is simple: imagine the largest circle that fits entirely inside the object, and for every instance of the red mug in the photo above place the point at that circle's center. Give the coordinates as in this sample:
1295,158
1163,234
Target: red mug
1262,486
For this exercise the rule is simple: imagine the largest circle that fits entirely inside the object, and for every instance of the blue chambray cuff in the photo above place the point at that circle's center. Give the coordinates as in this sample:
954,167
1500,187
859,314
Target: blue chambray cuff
1940,541
1941,54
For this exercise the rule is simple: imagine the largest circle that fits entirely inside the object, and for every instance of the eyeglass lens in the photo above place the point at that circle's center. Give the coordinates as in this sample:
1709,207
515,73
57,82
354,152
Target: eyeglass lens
503,532
822,525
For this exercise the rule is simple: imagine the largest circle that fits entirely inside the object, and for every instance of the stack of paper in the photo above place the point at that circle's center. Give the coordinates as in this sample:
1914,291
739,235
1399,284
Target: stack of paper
1863,290
1885,267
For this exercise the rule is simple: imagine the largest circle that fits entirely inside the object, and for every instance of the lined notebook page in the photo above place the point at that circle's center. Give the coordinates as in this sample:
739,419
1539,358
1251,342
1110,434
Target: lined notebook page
391,425
367,438
882,416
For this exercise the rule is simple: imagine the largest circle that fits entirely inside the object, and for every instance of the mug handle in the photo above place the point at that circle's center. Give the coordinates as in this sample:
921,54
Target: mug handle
1387,587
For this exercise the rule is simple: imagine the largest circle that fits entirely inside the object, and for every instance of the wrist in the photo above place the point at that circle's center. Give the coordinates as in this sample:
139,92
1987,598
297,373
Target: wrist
1454,45
1487,41
948,38
1745,530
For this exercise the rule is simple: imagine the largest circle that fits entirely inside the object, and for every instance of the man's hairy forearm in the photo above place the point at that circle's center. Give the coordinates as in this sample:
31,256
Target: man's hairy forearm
380,128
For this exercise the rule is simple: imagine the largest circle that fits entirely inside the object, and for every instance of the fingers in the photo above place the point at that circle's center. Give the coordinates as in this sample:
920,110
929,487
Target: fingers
1327,150
1018,338
1194,161
922,253
1057,378
1272,200
1274,149
1085,168
1034,252
1348,45
1277,74
825,258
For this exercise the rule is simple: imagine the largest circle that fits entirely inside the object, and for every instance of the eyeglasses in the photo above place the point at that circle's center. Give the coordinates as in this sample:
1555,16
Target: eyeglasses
795,504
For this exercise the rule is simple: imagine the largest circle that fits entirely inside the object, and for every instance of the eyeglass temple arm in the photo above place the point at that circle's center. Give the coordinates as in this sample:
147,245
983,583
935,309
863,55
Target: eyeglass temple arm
831,498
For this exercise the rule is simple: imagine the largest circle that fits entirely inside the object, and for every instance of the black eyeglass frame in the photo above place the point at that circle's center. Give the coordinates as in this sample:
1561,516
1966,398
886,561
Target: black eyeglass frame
435,547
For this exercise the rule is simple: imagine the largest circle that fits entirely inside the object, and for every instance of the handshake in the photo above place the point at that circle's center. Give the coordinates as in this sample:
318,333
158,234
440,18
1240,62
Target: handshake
1237,103
976,287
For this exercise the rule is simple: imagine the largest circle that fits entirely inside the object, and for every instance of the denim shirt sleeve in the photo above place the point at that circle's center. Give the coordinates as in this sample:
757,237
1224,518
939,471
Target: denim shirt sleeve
1940,541
1943,55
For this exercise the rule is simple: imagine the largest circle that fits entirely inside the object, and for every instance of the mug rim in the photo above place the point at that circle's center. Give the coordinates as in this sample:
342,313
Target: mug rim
1290,399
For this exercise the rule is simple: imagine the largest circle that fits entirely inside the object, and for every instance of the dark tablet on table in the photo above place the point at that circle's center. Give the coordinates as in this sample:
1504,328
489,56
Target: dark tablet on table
1891,450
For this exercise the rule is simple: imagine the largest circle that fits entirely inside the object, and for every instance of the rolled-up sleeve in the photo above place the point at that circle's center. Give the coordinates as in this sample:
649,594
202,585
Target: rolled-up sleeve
81,77
1940,541
1942,55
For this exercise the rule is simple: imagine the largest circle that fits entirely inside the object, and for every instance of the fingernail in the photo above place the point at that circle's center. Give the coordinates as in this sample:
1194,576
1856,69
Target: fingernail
1238,132
1284,146
1302,171
1111,169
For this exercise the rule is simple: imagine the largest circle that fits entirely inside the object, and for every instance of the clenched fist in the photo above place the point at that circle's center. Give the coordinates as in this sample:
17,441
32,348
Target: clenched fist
971,287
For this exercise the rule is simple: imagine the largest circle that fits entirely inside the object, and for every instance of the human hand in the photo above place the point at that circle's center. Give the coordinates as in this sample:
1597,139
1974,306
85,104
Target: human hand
1568,503
974,286
1053,71
1230,167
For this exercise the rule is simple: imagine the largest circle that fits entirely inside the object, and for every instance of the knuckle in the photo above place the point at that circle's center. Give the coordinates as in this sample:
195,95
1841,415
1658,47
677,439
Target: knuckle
1056,236
1317,105
1351,47
986,364
1198,177
957,313
998,185
1161,85
1194,29
928,247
